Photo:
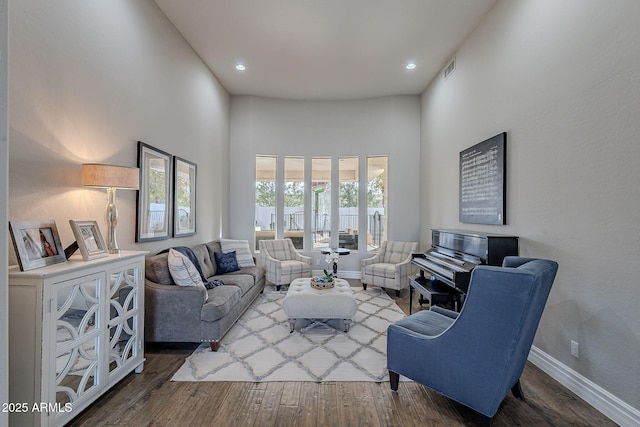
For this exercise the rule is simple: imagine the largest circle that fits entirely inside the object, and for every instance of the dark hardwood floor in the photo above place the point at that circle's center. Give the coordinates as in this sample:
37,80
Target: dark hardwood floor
150,398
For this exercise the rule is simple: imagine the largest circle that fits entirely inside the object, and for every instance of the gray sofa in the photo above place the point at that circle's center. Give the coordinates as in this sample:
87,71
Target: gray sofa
179,314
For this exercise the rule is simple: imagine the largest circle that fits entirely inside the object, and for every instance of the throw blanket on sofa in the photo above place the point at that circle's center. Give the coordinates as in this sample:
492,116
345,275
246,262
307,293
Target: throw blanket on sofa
186,251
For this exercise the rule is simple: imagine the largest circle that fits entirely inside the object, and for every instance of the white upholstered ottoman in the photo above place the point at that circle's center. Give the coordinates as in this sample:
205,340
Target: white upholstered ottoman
304,302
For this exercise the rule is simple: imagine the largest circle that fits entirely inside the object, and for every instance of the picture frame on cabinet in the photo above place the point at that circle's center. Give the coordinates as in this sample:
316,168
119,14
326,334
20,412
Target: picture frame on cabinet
89,239
184,199
37,243
154,206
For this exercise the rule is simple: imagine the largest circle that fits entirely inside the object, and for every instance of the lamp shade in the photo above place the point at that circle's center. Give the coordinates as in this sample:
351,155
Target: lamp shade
109,176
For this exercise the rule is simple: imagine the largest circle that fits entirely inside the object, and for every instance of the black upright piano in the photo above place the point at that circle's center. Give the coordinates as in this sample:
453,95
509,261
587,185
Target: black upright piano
445,269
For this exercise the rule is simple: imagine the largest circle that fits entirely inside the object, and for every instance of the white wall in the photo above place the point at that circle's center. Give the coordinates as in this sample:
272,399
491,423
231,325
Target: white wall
381,126
563,80
87,81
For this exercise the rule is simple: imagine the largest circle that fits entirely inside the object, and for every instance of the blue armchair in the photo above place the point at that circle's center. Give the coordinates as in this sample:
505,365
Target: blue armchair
476,356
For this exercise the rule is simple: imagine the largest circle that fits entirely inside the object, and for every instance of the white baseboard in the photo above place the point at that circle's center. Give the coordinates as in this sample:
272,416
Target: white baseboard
605,402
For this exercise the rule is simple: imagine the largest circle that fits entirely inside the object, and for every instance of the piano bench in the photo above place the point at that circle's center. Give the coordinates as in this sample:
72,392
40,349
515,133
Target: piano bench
432,292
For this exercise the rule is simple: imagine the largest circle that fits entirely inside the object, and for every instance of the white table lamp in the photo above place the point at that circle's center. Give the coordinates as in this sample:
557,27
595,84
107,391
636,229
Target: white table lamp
111,178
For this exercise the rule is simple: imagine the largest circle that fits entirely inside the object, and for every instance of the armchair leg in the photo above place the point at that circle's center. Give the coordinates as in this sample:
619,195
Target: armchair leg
277,287
215,345
394,380
364,286
484,421
517,391
398,293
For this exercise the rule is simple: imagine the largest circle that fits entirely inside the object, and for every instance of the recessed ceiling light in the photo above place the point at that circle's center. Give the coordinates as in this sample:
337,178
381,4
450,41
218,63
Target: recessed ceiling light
240,67
410,66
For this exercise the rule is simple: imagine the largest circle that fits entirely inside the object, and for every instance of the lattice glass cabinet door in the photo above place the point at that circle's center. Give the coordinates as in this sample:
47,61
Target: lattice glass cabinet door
125,341
78,324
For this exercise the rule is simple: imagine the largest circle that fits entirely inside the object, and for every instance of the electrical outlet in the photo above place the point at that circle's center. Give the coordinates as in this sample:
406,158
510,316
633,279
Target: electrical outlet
575,349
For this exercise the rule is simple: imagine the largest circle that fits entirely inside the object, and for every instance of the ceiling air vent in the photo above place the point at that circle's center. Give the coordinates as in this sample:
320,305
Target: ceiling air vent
450,68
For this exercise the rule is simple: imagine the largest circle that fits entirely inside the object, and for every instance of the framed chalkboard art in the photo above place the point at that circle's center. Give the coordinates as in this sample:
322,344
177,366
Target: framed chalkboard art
483,182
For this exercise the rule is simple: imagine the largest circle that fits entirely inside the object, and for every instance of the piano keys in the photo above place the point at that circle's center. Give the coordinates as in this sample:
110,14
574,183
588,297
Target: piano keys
445,269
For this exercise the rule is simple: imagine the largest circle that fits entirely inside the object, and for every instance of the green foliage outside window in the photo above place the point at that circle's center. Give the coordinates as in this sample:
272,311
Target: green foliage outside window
348,194
265,193
293,194
375,192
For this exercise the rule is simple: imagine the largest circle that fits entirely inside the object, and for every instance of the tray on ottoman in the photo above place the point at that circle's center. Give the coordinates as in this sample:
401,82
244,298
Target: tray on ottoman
302,301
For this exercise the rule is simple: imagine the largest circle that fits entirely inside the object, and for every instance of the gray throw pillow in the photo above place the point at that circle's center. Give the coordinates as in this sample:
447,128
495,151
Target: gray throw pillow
243,253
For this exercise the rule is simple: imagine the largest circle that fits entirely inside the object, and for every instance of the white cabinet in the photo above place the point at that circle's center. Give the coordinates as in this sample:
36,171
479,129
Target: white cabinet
75,330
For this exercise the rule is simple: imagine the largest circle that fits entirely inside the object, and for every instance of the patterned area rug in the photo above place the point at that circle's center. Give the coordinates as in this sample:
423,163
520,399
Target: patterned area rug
260,348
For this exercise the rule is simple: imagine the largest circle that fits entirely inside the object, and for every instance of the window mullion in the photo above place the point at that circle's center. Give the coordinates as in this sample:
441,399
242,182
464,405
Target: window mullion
335,201
280,197
362,205
308,212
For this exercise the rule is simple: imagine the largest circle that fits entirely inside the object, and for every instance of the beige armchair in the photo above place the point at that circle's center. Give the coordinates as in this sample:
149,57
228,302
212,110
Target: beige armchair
283,262
390,267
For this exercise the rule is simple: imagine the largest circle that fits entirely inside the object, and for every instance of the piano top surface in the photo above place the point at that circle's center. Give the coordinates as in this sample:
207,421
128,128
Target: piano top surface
472,233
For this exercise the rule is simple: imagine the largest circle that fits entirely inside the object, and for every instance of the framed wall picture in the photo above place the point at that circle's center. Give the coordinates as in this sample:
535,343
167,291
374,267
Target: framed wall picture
154,208
89,239
483,183
37,243
184,200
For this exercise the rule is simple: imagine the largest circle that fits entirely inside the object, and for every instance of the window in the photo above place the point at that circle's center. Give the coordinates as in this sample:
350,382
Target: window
324,207
321,202
265,198
348,200
294,200
377,194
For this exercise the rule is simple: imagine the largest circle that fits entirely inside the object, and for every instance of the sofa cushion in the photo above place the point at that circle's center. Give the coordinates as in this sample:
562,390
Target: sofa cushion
244,281
426,322
241,247
213,247
256,271
204,259
221,300
226,263
157,269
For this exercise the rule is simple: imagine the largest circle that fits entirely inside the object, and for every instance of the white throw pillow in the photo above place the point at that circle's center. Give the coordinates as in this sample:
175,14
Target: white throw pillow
243,253
183,272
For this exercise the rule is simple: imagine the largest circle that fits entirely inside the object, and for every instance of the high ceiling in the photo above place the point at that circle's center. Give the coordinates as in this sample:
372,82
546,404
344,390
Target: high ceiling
325,49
